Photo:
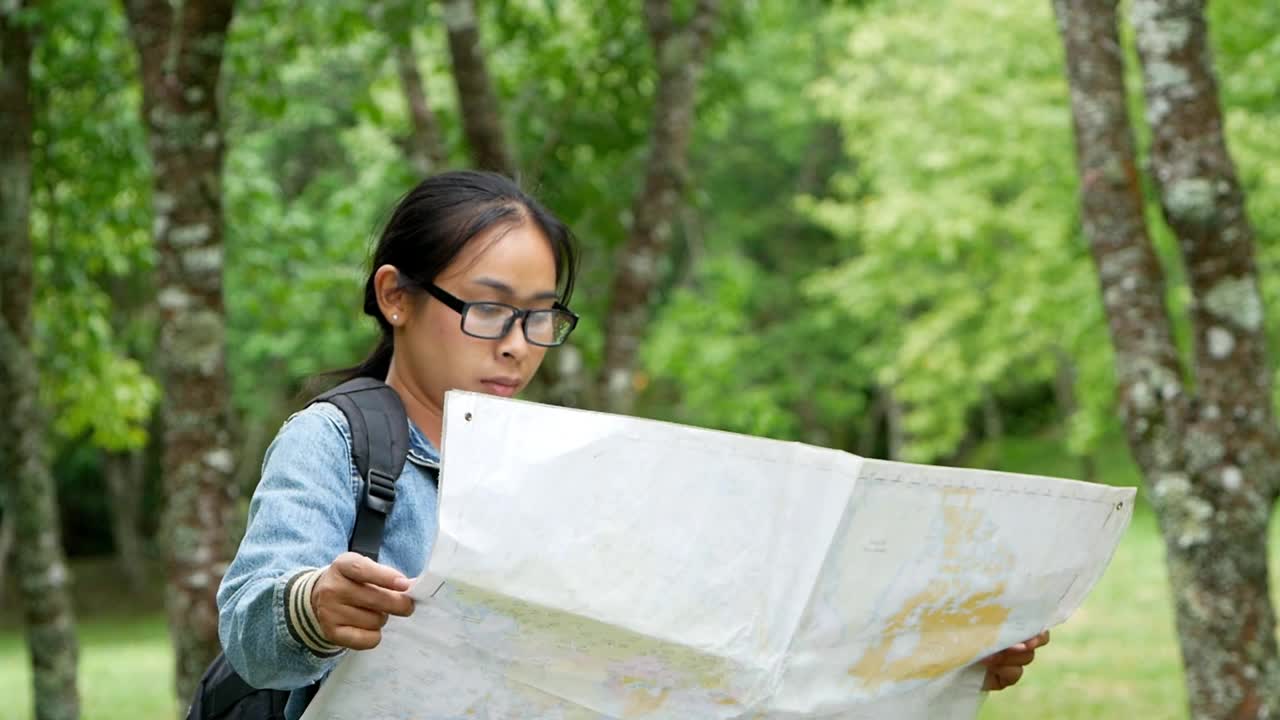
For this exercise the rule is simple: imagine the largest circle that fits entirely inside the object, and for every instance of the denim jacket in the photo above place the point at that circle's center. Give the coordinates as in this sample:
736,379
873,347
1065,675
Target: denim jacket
300,519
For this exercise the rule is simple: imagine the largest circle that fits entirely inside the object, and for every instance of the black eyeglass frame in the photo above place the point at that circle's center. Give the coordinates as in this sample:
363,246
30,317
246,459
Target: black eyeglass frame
461,307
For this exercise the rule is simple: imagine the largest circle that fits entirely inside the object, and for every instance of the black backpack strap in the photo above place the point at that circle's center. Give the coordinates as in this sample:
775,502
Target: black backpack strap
379,446
224,695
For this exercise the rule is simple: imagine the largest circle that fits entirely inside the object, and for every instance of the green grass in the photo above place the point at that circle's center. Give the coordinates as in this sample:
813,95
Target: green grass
1117,657
126,670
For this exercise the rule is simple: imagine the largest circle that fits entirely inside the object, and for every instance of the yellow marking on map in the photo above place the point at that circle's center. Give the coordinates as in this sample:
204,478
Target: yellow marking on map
642,702
951,619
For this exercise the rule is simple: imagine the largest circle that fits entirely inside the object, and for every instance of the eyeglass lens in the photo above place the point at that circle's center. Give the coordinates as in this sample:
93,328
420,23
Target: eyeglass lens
493,320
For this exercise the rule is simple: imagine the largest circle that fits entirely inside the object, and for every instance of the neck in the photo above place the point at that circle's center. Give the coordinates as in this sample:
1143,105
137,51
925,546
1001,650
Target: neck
427,415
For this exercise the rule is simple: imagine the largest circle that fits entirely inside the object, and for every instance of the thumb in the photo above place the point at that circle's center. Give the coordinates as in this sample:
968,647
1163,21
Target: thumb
360,569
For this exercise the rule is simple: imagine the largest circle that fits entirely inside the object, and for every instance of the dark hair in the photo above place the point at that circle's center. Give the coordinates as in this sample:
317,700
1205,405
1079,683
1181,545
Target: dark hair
431,225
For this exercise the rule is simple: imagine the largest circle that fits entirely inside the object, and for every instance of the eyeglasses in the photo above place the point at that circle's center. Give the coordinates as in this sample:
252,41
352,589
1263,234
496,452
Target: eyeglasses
493,320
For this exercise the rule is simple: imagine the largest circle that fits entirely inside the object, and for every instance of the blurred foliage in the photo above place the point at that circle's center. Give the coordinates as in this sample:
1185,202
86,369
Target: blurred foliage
737,345
969,263
953,265
91,228
883,200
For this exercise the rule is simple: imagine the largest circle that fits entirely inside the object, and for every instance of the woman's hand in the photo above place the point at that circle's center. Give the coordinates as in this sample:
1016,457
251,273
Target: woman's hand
353,598
1005,667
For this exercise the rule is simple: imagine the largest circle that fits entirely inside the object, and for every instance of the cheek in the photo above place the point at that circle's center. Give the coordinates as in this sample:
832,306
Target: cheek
445,346
442,325
436,338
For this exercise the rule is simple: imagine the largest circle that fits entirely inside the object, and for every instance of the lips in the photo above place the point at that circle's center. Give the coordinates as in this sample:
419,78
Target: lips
501,386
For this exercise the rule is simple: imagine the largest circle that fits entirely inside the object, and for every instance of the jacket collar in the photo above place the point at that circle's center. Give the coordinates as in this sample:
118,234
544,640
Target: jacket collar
421,451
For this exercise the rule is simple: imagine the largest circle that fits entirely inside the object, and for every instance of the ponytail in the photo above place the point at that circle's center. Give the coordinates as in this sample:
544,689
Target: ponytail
377,365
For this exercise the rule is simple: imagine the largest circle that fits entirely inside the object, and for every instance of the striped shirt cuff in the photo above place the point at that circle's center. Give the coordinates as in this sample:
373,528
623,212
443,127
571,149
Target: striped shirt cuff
301,617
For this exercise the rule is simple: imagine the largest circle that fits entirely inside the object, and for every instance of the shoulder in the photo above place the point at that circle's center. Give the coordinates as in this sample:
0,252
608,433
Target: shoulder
319,418
318,431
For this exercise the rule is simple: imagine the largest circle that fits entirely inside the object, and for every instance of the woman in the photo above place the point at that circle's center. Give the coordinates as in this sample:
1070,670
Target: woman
469,285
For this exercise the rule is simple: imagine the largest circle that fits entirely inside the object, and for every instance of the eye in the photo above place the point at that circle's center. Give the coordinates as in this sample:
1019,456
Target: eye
541,319
489,311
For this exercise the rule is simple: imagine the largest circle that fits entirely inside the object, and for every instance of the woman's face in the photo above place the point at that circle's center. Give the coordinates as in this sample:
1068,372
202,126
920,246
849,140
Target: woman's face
511,264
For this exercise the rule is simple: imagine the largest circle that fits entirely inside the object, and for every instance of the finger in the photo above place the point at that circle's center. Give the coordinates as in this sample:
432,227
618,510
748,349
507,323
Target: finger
999,678
335,590
1038,641
995,659
356,638
345,615
1009,676
360,569
1016,658
376,599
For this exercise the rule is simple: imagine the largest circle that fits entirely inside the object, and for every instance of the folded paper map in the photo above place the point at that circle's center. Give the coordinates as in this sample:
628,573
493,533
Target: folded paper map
594,566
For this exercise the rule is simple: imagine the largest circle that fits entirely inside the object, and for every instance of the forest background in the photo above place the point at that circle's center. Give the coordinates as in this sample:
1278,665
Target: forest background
1035,236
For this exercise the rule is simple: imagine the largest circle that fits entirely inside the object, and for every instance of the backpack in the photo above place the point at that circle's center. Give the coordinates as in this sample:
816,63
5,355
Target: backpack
379,446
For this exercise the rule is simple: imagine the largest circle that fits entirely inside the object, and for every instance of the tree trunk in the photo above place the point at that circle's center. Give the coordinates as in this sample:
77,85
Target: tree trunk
1209,461
875,418
481,117
562,380
41,569
1064,395
679,53
7,533
992,420
125,478
895,432
180,57
1226,622
425,148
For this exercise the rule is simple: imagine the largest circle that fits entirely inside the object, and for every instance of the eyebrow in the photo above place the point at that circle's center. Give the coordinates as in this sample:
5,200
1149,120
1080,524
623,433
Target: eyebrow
510,291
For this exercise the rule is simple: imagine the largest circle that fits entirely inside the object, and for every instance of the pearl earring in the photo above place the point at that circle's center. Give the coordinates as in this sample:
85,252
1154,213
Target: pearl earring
395,318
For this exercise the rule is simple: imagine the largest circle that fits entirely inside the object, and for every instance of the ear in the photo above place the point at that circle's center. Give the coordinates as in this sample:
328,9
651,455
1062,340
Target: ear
393,301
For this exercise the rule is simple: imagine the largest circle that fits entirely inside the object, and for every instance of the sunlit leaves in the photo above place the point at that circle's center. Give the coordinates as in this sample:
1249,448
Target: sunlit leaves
91,228
944,259
95,390
969,261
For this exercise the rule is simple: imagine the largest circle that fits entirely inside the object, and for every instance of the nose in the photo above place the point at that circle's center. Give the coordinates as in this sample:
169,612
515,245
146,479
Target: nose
514,345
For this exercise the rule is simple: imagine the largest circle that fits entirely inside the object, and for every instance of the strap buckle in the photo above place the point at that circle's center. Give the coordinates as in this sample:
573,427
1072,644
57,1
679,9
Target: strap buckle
379,491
